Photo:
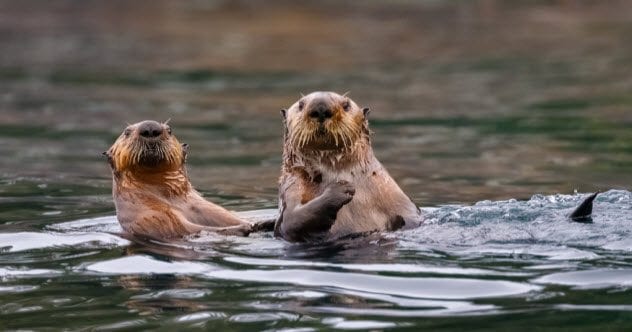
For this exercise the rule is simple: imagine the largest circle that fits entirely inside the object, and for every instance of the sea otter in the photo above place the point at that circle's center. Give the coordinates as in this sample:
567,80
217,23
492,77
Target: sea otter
331,184
152,193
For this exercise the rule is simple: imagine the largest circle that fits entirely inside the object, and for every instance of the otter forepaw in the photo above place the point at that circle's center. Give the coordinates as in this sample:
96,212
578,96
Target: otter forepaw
340,193
239,230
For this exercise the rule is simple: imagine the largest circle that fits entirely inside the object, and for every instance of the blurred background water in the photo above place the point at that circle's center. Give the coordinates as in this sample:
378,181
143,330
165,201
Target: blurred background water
471,101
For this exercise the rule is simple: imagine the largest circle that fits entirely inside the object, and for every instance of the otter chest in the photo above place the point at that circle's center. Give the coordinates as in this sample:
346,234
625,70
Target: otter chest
364,213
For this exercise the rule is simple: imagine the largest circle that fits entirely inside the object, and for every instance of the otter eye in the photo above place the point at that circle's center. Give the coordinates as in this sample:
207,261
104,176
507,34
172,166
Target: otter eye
127,132
345,106
169,130
301,104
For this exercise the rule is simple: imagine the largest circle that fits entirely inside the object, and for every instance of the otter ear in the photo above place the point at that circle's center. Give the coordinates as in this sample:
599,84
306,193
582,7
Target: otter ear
366,111
284,113
185,150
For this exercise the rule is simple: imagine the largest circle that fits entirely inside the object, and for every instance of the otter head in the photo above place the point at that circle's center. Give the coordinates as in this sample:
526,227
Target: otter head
146,146
325,121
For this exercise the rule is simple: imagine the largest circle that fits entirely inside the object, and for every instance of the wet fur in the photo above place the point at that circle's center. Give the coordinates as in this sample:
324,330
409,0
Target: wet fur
331,184
152,193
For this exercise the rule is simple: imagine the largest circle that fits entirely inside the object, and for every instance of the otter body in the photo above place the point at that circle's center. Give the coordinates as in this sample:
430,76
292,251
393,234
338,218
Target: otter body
331,184
152,193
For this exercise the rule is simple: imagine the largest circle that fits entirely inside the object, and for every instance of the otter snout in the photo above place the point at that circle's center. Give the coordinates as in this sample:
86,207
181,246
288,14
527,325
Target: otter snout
150,129
321,112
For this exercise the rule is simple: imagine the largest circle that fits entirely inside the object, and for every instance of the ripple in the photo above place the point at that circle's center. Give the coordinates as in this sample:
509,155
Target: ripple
343,324
593,279
399,268
429,308
595,307
434,307
22,241
10,308
622,245
263,317
12,273
141,264
127,324
298,329
479,310
108,224
18,288
431,288
175,294
550,252
198,316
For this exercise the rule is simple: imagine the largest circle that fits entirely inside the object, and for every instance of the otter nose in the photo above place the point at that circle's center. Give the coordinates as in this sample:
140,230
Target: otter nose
150,129
321,112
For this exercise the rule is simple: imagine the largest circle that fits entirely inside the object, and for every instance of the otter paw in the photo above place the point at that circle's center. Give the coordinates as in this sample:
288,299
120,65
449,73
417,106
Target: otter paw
340,193
239,230
264,226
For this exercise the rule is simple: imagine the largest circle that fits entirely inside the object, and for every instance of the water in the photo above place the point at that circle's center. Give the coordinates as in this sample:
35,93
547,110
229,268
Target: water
489,262
489,115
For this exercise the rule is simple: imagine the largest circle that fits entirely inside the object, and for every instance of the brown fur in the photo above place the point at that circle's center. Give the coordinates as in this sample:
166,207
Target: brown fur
152,192
331,183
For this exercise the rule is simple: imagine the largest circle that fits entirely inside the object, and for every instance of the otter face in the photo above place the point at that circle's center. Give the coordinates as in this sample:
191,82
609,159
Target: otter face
325,121
147,144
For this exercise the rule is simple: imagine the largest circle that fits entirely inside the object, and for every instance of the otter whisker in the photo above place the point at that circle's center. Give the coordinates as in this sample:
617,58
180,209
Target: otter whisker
162,154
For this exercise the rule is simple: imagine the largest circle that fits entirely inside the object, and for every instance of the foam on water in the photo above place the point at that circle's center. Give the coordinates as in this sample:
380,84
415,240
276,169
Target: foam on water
542,220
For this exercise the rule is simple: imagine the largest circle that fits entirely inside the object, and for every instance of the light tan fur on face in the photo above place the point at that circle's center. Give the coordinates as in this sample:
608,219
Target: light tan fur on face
343,139
152,192
137,162
341,131
129,151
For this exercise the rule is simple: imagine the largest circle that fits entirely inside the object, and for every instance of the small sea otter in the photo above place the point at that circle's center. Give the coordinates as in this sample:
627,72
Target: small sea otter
152,193
331,184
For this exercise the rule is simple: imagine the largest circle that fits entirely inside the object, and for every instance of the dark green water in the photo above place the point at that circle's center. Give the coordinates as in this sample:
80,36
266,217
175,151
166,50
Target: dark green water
472,101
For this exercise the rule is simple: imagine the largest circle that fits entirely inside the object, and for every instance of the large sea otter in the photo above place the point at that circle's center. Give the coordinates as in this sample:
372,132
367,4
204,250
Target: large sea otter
152,193
332,185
